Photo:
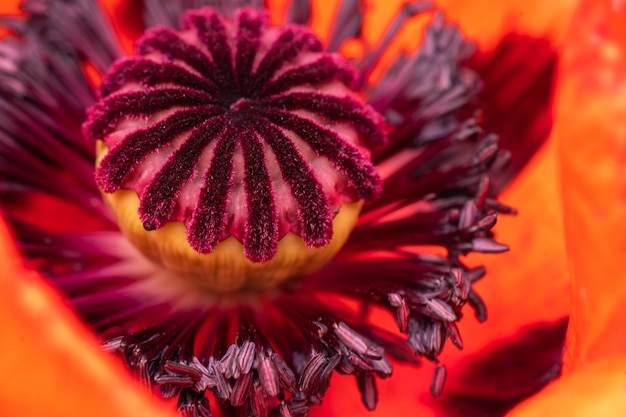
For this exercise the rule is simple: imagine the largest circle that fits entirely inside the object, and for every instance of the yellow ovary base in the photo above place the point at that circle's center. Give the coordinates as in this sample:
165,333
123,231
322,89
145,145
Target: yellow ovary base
226,269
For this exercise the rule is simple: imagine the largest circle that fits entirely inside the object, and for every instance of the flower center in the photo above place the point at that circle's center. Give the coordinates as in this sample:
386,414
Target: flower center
233,153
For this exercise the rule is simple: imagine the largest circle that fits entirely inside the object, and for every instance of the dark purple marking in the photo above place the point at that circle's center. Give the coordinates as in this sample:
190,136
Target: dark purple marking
529,95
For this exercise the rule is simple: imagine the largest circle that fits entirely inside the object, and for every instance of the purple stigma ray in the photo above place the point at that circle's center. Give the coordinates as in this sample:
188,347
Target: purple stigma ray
188,92
170,45
250,27
261,234
211,32
209,216
106,114
325,69
337,109
147,72
293,41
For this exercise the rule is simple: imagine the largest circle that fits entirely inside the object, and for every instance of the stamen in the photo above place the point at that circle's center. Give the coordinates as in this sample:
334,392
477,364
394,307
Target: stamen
439,379
369,392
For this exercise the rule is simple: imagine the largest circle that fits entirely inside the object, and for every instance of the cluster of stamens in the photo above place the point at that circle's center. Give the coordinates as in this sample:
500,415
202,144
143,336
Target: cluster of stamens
251,375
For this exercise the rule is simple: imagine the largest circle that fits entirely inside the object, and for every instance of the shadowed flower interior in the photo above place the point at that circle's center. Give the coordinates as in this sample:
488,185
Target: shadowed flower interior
228,131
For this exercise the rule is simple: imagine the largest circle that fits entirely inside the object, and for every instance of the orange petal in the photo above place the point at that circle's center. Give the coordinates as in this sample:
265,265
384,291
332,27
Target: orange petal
595,390
487,21
592,138
51,365
9,6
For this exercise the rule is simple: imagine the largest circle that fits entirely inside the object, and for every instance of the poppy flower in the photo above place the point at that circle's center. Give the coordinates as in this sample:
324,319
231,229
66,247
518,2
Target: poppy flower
280,356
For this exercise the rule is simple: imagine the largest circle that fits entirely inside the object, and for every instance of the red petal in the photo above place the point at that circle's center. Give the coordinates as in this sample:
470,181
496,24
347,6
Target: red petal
51,365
